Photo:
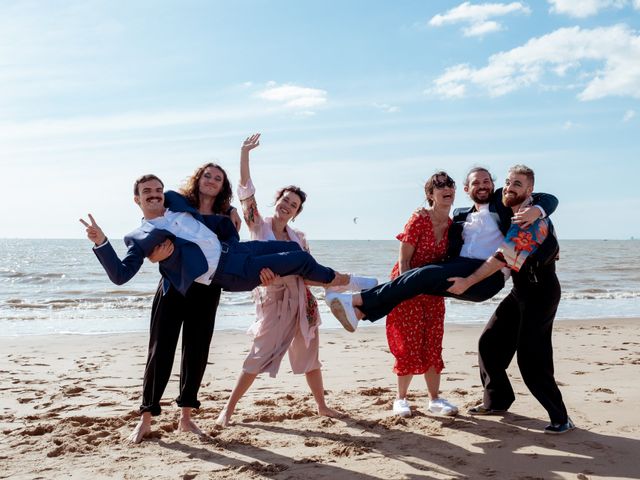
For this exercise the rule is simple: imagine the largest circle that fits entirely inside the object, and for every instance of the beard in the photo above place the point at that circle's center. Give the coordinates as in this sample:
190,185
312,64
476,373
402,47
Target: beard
486,198
512,201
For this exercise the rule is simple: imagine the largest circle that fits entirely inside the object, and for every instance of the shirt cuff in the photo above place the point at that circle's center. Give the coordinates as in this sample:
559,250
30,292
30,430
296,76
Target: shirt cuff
544,214
96,247
246,191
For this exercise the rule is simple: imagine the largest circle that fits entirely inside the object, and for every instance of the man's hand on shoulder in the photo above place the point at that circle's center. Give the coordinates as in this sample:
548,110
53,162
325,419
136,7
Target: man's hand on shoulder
525,217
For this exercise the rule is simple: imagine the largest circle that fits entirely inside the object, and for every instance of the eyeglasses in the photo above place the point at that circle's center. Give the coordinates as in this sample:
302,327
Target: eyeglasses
446,183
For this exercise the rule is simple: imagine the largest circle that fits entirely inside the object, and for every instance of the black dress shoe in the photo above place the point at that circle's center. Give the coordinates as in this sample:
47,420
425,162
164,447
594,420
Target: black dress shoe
559,428
482,410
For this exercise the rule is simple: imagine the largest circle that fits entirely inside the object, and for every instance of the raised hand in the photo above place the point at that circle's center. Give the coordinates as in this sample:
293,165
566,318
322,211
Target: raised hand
161,252
94,232
251,142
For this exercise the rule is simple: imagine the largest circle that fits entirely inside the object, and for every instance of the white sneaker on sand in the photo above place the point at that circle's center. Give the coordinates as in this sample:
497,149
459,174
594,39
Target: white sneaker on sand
401,407
355,284
440,406
342,308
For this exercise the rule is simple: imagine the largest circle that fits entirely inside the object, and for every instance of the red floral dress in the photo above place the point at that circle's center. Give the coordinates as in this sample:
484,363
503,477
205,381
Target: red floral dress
415,327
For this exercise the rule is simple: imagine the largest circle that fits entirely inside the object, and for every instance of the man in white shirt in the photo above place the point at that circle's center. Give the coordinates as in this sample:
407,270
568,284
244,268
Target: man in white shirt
199,254
475,235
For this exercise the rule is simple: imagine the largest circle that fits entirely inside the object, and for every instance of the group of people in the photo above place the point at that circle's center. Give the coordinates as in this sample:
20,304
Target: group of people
193,235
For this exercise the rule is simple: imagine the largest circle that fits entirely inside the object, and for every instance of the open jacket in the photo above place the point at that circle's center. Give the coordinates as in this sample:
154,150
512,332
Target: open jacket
186,263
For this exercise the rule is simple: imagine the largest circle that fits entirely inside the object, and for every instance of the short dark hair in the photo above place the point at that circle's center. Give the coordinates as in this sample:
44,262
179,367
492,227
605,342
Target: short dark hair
142,179
293,189
524,170
475,170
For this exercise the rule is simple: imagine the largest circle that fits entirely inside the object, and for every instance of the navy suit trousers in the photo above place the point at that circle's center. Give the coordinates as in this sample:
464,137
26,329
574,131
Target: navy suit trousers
429,279
241,262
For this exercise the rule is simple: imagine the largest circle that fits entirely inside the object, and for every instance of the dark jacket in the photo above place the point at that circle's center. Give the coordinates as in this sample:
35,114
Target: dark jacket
186,263
503,215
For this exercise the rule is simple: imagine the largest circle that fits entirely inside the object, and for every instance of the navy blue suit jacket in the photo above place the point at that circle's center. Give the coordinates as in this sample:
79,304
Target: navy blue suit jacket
186,263
503,215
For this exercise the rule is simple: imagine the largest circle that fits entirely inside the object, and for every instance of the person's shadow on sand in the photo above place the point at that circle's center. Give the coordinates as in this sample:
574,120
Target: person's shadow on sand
514,447
268,463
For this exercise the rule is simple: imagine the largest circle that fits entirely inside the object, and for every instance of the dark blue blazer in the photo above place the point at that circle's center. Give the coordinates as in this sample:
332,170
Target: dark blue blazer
503,215
186,263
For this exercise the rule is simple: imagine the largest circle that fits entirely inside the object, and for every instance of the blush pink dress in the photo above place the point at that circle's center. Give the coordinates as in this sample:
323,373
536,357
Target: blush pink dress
287,317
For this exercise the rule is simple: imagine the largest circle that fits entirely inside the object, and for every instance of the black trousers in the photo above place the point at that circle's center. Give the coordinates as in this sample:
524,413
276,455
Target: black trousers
195,313
522,324
430,280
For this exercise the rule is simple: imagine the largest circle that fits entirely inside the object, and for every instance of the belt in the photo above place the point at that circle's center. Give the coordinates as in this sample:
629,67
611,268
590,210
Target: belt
224,249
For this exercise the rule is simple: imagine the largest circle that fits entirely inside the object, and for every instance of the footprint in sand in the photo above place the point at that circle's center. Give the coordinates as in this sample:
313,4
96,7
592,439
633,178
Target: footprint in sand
72,391
603,390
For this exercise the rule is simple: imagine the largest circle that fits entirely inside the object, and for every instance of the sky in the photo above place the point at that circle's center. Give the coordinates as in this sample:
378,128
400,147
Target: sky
358,103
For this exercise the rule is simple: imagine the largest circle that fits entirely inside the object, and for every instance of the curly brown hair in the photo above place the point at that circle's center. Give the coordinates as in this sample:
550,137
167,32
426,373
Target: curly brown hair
191,190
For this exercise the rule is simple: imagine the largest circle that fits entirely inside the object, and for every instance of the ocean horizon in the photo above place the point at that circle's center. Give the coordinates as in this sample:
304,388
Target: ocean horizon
57,286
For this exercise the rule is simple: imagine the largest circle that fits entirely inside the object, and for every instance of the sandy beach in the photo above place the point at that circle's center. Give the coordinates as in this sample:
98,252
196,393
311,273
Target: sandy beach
69,401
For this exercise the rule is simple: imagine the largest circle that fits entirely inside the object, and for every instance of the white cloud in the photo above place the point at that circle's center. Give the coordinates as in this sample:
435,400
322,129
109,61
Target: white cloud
478,17
294,96
636,4
628,115
386,107
556,54
586,8
568,125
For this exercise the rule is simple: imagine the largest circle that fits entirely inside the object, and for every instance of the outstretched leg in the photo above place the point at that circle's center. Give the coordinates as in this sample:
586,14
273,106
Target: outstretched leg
430,279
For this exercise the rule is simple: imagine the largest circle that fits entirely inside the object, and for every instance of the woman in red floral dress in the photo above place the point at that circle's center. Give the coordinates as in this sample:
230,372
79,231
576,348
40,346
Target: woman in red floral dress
416,326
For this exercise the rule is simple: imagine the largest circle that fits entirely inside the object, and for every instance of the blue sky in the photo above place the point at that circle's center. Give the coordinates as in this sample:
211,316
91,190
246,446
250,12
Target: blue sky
358,103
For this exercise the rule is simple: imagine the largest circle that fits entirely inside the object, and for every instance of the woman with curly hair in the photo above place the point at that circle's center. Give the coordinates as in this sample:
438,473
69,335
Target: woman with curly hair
209,190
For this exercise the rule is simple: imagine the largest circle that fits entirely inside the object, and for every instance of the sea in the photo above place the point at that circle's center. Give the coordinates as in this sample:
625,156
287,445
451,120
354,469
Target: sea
58,286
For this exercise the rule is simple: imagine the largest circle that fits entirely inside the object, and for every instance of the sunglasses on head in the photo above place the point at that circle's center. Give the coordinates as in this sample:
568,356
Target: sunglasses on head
445,183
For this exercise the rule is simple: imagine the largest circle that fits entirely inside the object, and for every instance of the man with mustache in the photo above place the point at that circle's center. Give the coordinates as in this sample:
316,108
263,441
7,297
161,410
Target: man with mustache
206,249
523,321
474,236
203,251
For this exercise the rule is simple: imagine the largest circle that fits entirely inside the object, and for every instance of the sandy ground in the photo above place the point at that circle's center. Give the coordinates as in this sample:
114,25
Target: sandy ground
68,402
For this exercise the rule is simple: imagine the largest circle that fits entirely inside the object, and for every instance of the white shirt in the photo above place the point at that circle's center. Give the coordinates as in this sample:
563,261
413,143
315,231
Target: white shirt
481,234
184,226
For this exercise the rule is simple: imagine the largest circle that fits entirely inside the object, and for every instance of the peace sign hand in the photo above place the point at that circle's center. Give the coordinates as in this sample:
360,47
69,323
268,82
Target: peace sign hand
251,142
94,232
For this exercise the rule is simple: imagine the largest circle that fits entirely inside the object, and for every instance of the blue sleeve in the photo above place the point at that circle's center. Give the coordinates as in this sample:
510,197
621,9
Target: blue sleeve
120,271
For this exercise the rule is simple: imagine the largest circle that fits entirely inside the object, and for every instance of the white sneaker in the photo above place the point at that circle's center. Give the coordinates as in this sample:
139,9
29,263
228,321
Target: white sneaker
401,407
342,308
355,284
440,406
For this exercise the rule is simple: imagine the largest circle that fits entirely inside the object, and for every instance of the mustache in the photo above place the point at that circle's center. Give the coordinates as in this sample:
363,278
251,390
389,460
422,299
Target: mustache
154,198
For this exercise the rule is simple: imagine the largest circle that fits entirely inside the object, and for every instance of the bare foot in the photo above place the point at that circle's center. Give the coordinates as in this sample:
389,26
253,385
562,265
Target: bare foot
330,412
223,419
187,425
142,430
